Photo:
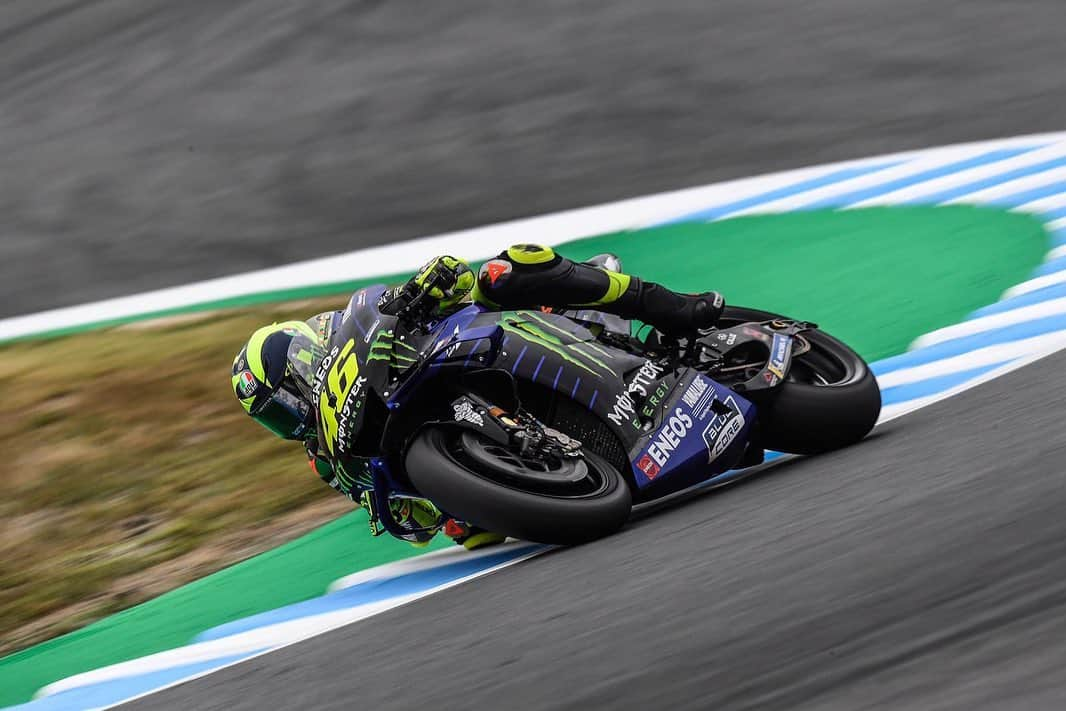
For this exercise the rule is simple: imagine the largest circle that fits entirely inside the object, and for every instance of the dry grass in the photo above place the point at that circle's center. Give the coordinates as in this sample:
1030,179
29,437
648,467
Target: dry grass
125,457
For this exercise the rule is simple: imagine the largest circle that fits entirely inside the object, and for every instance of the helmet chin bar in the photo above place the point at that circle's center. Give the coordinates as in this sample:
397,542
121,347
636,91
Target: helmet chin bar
285,413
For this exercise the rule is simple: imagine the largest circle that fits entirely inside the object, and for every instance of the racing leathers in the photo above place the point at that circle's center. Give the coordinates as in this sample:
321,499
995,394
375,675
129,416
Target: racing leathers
523,276
532,276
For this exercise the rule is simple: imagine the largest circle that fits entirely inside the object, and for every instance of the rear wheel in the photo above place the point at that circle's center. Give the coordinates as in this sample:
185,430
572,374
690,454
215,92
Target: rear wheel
829,400
563,500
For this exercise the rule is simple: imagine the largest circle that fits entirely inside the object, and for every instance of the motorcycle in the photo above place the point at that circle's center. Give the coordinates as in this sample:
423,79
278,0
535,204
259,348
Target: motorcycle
550,426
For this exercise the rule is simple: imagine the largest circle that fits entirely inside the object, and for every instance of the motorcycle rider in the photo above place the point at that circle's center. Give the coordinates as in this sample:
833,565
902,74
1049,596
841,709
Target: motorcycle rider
523,276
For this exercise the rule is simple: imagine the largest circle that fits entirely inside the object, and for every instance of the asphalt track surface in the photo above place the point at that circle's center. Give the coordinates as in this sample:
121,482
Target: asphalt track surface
922,569
148,143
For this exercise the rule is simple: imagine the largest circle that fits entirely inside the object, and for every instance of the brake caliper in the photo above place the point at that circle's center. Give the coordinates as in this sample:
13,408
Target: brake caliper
532,436
553,442
520,428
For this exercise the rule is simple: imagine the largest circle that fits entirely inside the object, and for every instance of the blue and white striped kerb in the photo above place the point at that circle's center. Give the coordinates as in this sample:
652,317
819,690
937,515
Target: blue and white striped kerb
1025,174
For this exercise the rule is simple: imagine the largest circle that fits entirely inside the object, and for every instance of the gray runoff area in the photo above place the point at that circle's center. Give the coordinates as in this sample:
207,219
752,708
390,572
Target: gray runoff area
924,568
148,143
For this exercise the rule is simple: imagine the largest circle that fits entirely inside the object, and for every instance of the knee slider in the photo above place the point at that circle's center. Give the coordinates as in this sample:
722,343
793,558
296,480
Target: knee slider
530,254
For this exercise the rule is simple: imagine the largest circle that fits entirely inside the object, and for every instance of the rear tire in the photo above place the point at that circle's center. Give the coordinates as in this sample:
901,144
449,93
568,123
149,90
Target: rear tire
440,471
808,418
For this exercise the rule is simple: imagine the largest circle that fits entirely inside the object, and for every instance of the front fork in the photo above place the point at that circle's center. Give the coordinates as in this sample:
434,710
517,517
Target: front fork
472,413
519,429
469,412
377,503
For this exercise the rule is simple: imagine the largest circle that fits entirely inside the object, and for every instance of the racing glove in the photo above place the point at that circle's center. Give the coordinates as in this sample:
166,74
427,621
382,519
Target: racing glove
418,515
446,280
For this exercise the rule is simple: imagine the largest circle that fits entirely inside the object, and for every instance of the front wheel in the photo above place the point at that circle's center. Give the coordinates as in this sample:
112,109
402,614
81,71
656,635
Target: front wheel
548,500
829,400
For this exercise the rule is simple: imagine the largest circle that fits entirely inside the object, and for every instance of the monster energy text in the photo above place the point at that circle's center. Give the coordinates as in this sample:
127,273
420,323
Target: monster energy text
625,406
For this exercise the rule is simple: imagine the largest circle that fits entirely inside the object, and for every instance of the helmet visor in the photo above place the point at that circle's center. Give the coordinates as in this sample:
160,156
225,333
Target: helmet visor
304,356
284,413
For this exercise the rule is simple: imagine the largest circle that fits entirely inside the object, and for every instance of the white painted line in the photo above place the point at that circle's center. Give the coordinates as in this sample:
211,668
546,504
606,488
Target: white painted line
1053,307
1040,282
1055,253
1011,187
426,561
989,355
709,197
1059,224
918,165
893,412
1048,204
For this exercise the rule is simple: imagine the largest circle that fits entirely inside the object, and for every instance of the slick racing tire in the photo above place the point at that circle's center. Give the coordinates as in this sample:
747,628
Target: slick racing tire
829,400
474,479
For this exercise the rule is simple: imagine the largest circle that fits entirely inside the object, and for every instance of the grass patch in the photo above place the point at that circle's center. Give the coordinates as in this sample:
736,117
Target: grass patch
124,450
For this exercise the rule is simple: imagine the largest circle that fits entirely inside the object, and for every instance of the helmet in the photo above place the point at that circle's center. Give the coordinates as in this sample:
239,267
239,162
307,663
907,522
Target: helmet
262,384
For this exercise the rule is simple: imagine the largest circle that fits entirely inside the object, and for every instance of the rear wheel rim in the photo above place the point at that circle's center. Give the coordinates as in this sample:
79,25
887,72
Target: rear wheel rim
822,365
828,363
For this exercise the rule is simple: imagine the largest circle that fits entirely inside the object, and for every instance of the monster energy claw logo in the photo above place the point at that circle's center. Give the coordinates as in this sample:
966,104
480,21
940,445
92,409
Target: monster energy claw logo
381,348
543,333
384,348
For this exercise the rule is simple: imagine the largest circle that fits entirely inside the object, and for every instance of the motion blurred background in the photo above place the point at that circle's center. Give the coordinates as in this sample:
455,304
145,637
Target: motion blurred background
148,143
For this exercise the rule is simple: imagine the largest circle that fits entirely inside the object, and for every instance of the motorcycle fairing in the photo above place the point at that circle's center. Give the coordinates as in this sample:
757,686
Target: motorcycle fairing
704,430
647,408
636,398
358,359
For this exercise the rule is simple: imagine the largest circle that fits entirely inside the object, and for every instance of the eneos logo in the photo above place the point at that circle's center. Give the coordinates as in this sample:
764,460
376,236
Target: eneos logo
669,437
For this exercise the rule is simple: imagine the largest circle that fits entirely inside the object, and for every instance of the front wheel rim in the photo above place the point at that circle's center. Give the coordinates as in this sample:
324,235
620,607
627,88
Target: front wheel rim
575,478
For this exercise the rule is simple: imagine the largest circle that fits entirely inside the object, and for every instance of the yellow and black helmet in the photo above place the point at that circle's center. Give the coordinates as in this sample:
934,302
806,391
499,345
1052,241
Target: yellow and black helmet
262,384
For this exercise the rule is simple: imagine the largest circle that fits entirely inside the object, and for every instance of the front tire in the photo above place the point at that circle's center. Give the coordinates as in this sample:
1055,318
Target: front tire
447,466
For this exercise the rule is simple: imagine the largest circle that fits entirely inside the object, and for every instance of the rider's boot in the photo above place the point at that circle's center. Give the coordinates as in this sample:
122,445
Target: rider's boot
672,313
419,516
471,537
657,304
